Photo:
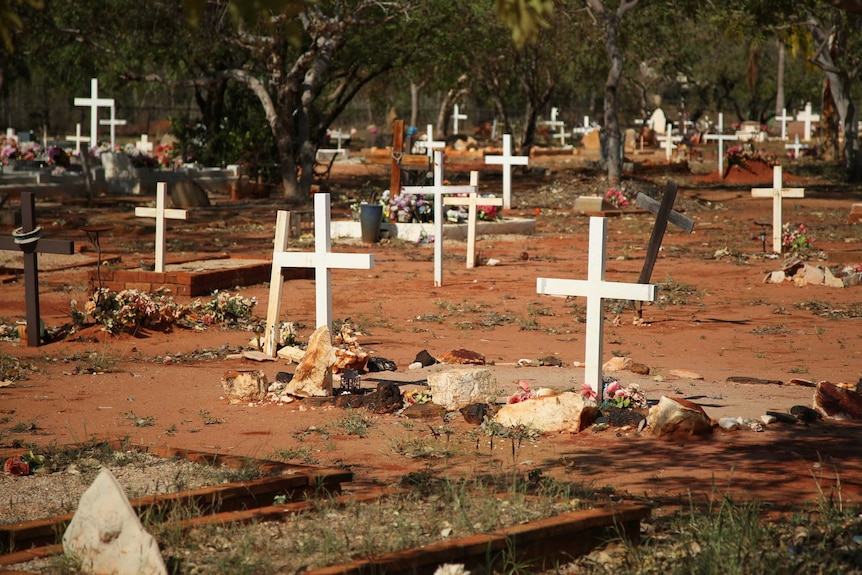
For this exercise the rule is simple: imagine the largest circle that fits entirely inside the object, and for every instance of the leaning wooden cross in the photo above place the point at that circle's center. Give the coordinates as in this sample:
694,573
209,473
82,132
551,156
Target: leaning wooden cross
28,239
507,160
664,213
321,259
161,213
472,201
438,190
596,290
777,193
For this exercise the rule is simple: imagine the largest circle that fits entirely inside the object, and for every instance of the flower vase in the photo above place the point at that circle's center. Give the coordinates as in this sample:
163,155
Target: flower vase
370,216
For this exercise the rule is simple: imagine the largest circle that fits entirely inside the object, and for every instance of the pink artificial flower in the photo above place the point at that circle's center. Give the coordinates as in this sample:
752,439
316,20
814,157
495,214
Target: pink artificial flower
611,389
588,392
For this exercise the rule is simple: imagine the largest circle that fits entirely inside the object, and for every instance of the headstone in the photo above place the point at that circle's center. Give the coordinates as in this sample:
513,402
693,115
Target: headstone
94,103
455,388
784,118
113,122
596,289
677,416
721,137
777,193
507,160
438,190
658,122
161,213
28,239
322,259
472,201
106,536
313,375
592,141
456,117
564,412
630,141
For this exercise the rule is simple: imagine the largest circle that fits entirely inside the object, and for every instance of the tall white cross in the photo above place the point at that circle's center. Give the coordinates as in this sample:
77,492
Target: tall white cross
113,123
807,117
456,117
438,190
507,160
430,144
77,138
596,289
797,147
721,137
161,213
144,144
94,102
322,259
472,201
777,193
784,118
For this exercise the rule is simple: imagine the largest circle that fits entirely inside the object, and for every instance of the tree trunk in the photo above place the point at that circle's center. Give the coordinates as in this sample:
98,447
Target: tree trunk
779,80
612,127
829,125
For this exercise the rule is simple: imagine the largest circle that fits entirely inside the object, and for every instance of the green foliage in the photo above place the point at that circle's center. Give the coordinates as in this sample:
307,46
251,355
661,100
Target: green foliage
525,18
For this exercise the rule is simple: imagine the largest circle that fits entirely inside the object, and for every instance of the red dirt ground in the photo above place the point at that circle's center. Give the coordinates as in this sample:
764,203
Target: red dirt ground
731,324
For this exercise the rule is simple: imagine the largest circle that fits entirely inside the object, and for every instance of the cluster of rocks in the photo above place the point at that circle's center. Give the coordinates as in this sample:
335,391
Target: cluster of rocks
803,274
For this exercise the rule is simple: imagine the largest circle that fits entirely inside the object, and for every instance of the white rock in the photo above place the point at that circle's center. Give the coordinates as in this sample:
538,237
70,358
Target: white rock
617,364
768,419
492,262
243,386
729,423
291,353
567,411
106,535
255,355
672,416
685,374
831,281
313,375
775,277
455,388
415,365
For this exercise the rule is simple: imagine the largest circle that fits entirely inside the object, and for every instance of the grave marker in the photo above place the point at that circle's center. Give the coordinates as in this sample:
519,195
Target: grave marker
807,118
144,144
438,190
507,160
456,116
596,290
472,201
668,142
94,102
721,137
784,118
113,123
322,259
77,138
777,193
161,213
28,239
429,143
797,147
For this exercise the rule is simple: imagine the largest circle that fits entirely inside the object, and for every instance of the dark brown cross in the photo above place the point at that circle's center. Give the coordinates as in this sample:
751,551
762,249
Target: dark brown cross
28,239
664,213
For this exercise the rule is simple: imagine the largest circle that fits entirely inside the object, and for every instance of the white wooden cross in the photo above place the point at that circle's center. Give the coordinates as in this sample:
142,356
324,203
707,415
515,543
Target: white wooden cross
430,144
94,102
144,144
783,118
161,213
507,160
807,117
553,123
322,259
585,129
596,289
669,141
777,193
797,147
456,116
562,136
338,135
77,138
472,201
721,137
438,190
113,123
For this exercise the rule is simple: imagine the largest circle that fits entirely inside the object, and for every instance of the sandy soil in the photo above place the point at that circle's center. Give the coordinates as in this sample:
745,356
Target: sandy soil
717,318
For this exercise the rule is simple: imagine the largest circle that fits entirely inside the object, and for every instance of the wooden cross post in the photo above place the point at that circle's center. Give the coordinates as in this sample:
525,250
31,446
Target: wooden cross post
596,290
161,213
664,213
397,151
721,137
94,102
777,193
113,123
456,116
472,201
322,259
429,143
438,190
784,118
507,160
28,239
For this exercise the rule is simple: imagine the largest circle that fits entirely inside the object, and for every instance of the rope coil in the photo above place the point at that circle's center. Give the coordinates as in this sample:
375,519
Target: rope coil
19,236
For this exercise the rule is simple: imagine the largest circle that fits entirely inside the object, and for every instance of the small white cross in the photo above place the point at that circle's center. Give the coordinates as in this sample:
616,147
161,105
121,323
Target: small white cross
784,118
94,102
322,259
562,135
777,193
472,201
596,289
113,123
144,144
721,137
338,135
161,214
430,144
807,117
669,141
456,116
553,123
507,160
77,138
438,190
797,147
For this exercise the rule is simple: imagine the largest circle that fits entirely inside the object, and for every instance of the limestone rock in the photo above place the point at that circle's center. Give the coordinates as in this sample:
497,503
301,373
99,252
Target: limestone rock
617,364
244,386
458,387
567,411
424,411
639,368
351,357
291,353
313,375
106,535
831,281
837,402
462,357
678,416
685,374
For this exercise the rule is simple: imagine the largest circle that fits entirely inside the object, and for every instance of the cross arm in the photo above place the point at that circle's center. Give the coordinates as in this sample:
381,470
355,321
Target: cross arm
652,206
62,247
